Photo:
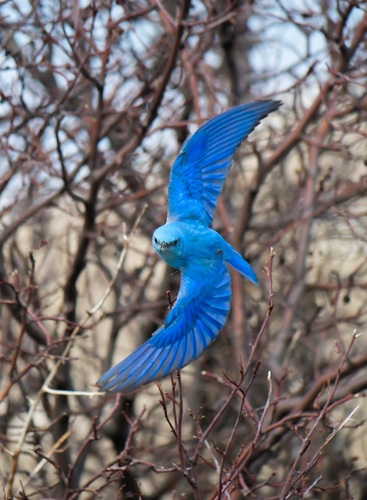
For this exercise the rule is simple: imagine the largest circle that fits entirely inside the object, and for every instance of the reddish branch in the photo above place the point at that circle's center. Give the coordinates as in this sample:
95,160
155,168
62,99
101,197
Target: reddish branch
115,87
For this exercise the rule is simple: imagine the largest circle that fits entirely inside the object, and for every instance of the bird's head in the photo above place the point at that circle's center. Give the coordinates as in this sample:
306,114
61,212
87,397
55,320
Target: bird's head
169,243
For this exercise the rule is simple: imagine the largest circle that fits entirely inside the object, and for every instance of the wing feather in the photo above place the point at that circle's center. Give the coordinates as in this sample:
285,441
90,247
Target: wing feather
199,171
194,322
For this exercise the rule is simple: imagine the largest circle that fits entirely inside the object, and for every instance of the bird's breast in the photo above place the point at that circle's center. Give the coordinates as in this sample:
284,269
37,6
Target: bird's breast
171,256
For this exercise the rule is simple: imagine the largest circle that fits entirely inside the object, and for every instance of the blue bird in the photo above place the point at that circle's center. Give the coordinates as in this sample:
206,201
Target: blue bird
187,243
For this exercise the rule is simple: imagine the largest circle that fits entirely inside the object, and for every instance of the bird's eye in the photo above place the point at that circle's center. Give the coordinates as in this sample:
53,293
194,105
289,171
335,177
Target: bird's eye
155,240
174,243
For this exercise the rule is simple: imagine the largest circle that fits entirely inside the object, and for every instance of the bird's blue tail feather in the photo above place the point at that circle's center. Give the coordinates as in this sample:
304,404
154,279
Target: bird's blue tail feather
243,267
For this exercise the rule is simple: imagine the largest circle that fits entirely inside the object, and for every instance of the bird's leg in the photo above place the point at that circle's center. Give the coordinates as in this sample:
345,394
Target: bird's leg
170,301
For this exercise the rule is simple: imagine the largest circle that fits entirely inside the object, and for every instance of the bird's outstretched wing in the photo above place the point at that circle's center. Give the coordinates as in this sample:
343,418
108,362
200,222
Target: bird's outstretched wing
193,323
200,169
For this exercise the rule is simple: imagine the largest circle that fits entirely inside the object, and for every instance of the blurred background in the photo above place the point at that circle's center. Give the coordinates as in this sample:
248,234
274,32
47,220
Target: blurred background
96,99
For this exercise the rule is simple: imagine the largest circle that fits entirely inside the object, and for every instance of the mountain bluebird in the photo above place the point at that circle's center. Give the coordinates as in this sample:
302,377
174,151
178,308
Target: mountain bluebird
187,243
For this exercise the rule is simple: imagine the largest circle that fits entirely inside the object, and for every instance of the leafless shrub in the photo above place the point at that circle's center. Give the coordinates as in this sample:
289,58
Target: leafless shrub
95,103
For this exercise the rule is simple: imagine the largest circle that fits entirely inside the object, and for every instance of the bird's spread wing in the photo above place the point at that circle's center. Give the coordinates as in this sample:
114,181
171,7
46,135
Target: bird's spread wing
200,169
193,323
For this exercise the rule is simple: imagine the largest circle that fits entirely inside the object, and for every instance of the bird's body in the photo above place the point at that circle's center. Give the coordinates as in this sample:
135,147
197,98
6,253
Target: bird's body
187,243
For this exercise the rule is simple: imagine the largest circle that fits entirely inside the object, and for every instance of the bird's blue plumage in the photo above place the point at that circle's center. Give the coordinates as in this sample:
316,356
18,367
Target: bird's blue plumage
199,172
196,319
187,242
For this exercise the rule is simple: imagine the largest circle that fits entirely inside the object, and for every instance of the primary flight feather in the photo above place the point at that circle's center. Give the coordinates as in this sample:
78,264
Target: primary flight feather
187,243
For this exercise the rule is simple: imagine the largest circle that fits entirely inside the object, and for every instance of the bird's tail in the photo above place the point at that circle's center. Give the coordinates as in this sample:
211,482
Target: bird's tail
235,260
